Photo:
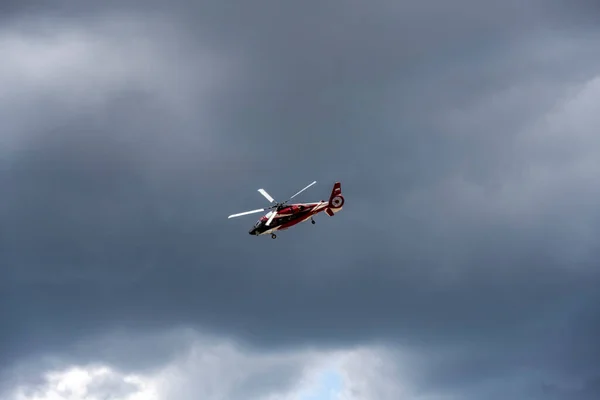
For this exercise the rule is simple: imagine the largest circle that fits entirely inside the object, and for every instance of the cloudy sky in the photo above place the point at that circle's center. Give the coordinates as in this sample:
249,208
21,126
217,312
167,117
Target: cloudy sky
463,266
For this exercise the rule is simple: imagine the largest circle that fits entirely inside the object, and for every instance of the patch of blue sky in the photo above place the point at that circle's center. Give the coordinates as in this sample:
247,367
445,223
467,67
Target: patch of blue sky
330,383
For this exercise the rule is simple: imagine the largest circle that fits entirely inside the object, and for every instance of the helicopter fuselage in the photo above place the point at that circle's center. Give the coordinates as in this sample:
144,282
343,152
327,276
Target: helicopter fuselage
289,216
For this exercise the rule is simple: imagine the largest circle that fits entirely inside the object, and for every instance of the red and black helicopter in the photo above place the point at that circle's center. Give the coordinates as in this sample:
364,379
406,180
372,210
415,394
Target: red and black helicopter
284,216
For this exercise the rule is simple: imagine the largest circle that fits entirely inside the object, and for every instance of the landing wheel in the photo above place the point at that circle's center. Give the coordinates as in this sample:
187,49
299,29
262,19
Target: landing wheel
273,236
312,221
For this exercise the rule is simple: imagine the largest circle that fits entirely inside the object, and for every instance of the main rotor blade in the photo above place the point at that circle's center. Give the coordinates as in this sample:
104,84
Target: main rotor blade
246,213
264,193
271,218
302,190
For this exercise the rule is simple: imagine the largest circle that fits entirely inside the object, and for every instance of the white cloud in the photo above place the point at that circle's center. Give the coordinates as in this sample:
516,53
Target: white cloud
370,374
216,369
90,383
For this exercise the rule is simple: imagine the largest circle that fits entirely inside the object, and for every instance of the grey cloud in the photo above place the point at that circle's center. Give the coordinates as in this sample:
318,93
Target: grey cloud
416,109
588,389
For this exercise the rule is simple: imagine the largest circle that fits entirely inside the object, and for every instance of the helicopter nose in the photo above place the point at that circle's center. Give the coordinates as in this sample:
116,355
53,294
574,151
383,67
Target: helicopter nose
252,231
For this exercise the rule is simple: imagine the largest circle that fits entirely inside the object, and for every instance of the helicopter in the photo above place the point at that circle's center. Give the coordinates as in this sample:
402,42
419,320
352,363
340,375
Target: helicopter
283,215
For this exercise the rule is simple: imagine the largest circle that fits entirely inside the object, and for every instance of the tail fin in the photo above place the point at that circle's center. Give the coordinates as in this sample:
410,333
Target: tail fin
337,190
336,200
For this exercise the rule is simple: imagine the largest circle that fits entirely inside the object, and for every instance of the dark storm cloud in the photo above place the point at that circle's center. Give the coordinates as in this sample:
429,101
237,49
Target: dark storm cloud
114,216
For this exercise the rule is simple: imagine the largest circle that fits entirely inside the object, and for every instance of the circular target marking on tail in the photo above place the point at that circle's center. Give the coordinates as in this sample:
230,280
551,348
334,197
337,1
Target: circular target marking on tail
337,201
